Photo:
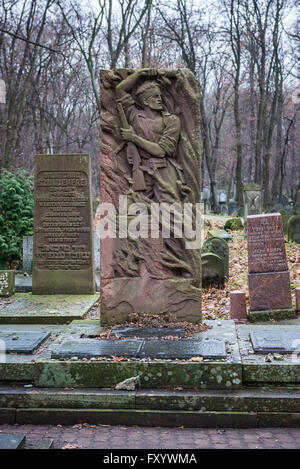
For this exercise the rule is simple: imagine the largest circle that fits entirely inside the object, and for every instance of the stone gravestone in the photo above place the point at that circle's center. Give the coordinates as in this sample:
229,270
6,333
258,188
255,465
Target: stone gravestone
7,283
27,253
268,275
150,155
252,195
212,270
2,92
220,247
294,229
63,236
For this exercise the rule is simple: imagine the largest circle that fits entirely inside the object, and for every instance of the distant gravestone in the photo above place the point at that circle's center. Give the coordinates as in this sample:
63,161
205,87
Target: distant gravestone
63,258
285,219
27,253
252,199
294,229
7,283
222,234
220,247
268,277
212,270
2,92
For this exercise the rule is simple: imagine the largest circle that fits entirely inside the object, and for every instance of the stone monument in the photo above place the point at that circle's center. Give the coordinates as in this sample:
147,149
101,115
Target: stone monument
268,275
63,236
7,283
294,229
150,160
252,195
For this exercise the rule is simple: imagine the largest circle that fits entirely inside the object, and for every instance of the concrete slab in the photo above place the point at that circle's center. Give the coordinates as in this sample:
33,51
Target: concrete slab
26,308
164,349
277,342
22,342
12,441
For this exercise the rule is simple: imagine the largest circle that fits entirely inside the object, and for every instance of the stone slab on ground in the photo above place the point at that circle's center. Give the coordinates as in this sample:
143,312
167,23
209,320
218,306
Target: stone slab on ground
22,342
24,284
26,308
184,349
278,342
87,348
39,443
164,349
146,332
273,368
12,441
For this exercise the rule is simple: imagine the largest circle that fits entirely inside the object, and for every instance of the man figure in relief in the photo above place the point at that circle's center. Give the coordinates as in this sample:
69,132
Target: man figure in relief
155,133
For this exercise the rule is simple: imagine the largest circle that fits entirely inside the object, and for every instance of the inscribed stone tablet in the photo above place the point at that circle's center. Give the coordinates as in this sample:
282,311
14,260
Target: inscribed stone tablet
63,238
280,342
7,283
266,250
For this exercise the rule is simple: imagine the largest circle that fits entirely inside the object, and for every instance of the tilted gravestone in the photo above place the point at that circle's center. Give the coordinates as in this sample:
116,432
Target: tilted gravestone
220,247
63,236
268,275
150,155
294,229
212,270
7,283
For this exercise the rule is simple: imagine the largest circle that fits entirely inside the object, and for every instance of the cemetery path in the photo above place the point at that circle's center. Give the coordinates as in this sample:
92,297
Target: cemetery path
84,436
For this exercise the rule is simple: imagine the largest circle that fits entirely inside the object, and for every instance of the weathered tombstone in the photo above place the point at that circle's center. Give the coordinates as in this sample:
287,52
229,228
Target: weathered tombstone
285,219
294,229
27,253
224,210
252,194
232,207
212,270
63,260
268,275
220,247
222,234
7,283
2,92
150,155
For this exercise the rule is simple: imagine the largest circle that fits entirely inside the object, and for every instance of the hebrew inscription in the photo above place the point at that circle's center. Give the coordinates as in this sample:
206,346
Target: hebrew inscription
63,232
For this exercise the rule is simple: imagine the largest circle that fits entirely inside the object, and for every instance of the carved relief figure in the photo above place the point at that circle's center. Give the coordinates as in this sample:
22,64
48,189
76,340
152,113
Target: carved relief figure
152,136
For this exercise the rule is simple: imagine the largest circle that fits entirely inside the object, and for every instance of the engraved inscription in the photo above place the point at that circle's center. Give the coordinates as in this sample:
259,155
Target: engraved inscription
266,245
63,234
4,285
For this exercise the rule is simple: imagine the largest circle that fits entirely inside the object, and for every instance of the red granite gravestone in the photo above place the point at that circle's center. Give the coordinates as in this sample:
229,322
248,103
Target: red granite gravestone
63,238
268,275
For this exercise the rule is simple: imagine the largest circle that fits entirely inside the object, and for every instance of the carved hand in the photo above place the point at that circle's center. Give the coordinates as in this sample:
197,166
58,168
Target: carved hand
128,134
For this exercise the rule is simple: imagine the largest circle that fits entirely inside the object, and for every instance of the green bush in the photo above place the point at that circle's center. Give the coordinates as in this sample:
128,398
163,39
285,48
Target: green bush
233,224
16,215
